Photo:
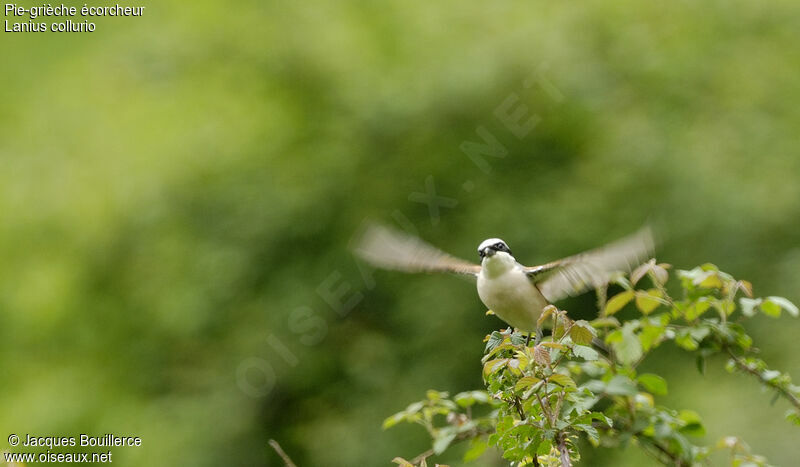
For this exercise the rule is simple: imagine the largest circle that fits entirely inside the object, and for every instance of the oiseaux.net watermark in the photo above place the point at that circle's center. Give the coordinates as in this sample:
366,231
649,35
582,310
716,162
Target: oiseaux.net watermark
96,448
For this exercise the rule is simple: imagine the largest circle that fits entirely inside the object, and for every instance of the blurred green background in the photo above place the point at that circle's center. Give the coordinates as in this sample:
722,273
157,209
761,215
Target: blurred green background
177,194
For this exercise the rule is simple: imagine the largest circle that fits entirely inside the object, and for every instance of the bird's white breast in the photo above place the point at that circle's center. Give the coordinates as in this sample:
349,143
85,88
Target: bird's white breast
506,290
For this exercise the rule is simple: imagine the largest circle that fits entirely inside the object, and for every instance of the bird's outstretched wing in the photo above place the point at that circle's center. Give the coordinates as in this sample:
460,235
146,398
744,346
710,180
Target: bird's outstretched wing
578,273
388,248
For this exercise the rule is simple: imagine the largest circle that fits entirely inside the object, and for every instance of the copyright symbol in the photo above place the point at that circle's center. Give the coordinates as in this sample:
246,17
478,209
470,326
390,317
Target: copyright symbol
13,440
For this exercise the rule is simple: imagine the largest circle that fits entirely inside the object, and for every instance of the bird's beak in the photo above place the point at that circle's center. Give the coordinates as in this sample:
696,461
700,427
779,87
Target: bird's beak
488,251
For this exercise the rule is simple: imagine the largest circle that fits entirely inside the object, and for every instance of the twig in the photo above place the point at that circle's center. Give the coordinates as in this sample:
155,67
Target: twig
661,453
746,368
286,459
559,402
562,448
518,405
673,459
544,409
422,457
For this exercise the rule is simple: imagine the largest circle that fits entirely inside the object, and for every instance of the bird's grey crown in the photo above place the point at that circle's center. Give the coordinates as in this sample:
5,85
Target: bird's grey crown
495,244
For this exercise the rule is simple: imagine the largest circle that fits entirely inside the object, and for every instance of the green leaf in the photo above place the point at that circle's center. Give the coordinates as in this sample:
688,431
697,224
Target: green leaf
470,398
562,380
519,338
582,332
402,462
653,383
394,420
433,395
532,390
522,358
793,416
790,307
526,382
546,313
699,333
586,353
498,349
648,301
685,340
770,308
709,280
600,416
692,424
414,407
617,302
700,362
725,306
696,309
650,336
626,346
442,442
493,366
691,274
477,446
620,385
591,433
744,341
606,322
495,339
544,448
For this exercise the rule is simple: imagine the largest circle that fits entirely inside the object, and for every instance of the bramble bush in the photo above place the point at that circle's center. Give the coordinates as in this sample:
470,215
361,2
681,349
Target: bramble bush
582,379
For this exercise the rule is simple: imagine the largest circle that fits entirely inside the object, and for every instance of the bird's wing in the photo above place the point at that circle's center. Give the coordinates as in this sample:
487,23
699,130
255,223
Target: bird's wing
391,249
593,268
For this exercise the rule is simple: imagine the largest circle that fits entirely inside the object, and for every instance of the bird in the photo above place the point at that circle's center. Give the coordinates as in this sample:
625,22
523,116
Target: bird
515,293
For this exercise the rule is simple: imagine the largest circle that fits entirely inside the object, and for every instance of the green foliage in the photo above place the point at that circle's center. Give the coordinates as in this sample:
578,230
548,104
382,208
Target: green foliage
582,380
175,188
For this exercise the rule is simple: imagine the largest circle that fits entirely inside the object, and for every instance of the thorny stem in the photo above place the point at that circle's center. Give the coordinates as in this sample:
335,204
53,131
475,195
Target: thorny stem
422,456
559,360
562,448
653,454
746,368
544,410
560,401
518,406
672,459
662,454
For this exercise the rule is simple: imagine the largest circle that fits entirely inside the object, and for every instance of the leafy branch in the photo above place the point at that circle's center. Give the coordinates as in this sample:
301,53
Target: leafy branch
581,381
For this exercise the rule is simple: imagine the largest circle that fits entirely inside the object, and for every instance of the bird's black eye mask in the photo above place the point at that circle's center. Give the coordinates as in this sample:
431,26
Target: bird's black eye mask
496,247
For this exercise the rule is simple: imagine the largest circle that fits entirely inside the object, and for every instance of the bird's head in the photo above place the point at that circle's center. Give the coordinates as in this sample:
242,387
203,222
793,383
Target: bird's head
493,246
